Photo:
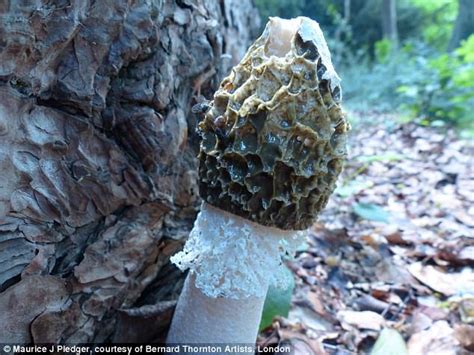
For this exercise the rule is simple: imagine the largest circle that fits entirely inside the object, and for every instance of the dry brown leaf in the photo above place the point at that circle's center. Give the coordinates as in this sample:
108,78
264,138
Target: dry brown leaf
316,304
398,238
438,339
434,313
446,283
465,335
420,321
301,343
361,320
309,318
456,254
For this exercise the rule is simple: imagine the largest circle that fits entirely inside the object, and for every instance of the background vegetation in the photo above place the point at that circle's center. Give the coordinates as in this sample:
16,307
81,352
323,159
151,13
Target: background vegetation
415,57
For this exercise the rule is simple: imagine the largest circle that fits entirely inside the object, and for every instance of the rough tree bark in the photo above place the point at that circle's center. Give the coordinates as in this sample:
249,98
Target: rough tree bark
97,167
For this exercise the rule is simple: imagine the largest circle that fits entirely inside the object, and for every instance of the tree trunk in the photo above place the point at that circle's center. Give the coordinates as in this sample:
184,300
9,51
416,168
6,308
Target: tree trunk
97,158
389,20
343,28
464,25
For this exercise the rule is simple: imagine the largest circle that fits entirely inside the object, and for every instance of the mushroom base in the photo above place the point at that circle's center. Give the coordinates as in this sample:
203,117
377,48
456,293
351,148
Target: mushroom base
200,319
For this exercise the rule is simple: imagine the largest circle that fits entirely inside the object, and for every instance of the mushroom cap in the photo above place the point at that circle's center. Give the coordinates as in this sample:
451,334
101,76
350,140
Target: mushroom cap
274,137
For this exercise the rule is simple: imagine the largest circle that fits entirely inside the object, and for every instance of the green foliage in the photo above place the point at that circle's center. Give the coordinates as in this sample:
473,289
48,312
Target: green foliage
437,20
383,48
372,85
443,90
277,302
432,87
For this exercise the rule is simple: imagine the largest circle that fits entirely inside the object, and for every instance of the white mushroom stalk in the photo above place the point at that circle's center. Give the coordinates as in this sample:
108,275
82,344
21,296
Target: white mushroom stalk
232,261
273,141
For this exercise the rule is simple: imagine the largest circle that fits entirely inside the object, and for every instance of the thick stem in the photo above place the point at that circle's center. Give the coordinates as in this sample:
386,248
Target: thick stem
202,319
232,261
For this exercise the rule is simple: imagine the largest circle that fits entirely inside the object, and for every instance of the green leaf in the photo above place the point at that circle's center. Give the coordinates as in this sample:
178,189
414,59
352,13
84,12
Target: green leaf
389,342
371,212
387,157
278,302
466,50
352,188
383,49
410,91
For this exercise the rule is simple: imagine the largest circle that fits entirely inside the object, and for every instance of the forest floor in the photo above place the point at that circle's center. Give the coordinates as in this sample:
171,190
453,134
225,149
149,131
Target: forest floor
390,260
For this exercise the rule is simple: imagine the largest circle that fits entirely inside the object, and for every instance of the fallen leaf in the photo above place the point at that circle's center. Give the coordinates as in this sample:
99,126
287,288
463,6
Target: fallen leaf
387,157
457,255
434,313
438,339
420,321
398,238
446,283
307,317
371,212
304,347
361,320
352,187
389,342
300,343
465,335
316,304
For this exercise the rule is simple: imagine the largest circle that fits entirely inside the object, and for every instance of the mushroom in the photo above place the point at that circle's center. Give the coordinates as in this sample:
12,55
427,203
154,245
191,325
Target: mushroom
273,143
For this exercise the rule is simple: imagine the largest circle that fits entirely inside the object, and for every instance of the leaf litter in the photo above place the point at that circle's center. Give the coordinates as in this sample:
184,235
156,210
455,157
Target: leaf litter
389,266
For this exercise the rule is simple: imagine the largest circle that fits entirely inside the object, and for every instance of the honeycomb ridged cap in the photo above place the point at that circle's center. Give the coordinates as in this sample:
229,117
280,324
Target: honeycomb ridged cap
274,137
